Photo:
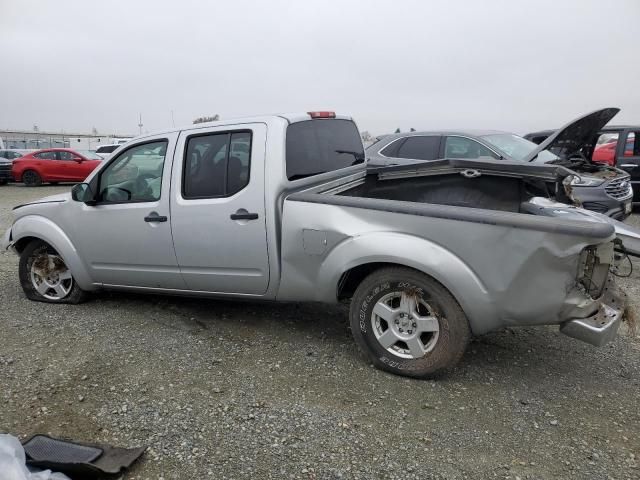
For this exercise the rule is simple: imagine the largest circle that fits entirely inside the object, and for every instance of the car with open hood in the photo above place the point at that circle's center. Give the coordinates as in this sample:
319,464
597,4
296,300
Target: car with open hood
597,187
615,145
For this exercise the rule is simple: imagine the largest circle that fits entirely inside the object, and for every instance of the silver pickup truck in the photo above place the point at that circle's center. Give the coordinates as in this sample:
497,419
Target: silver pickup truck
282,208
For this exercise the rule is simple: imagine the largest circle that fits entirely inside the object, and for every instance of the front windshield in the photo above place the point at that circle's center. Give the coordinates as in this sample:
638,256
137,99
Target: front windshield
517,147
91,155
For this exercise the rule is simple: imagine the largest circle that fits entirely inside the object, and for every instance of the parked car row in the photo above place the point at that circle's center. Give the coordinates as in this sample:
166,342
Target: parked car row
53,165
283,208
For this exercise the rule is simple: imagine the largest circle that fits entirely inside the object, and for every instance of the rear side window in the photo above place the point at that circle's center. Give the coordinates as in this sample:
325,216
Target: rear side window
63,155
320,146
420,148
45,155
216,165
462,147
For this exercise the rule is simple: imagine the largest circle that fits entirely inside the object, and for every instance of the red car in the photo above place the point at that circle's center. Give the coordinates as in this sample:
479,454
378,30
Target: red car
606,153
54,165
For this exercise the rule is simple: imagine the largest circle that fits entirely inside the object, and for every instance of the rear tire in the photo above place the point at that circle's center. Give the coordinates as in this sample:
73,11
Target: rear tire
407,323
44,276
4,182
31,178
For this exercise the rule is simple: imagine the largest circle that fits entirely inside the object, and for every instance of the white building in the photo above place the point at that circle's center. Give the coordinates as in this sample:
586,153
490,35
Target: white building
37,140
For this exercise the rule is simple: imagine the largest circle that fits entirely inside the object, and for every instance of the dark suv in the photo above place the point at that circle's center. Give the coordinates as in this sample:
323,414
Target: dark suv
596,187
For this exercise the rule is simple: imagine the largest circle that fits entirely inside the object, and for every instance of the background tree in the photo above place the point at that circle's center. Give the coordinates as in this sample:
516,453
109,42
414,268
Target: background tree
397,130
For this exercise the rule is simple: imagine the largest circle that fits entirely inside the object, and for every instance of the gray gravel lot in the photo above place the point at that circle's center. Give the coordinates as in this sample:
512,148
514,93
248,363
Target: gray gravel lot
221,389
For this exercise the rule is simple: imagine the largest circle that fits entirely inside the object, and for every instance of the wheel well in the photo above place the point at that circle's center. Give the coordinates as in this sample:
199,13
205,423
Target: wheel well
30,169
21,244
350,279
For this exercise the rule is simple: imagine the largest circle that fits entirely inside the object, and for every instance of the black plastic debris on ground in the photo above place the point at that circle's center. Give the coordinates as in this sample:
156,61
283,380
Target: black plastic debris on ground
75,458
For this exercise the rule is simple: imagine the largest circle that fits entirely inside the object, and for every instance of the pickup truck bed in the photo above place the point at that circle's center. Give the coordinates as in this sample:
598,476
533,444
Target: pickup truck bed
387,222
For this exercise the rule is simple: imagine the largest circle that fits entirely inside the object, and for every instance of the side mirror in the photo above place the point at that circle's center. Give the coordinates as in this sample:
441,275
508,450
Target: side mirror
82,192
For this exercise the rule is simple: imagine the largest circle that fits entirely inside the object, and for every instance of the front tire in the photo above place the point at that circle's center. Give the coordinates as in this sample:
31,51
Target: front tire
44,276
31,178
407,323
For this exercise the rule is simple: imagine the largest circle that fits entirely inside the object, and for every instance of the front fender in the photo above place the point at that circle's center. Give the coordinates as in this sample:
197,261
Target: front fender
44,229
399,249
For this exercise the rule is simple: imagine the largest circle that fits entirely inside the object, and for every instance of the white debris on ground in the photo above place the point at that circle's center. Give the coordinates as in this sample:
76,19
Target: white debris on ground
13,463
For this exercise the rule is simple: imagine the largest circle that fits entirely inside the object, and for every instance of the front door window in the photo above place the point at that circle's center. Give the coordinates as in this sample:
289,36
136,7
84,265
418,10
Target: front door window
135,175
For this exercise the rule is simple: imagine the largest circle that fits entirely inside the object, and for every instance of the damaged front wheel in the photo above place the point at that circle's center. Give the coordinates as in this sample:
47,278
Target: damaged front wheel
407,323
45,277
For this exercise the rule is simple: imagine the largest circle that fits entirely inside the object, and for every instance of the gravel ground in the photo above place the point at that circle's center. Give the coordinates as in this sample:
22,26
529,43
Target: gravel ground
221,389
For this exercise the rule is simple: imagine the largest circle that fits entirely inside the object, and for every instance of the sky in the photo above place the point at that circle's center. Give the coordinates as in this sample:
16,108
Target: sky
511,65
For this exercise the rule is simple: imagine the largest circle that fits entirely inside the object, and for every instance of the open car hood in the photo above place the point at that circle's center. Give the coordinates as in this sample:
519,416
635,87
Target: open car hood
577,136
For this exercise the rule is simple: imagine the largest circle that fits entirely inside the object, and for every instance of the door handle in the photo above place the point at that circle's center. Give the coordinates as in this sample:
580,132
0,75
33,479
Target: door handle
242,214
154,217
628,165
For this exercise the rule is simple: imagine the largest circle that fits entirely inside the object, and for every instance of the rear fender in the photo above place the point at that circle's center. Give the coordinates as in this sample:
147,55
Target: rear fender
410,251
38,227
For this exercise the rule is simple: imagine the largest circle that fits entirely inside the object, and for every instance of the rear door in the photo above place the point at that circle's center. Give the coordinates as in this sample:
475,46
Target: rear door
628,158
218,209
46,165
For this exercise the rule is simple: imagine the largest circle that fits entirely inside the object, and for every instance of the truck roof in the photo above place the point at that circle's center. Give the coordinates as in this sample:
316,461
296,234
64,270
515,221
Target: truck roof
270,118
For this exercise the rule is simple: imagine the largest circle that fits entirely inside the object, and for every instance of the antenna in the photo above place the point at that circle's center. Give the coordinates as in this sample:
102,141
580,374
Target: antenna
140,124
173,121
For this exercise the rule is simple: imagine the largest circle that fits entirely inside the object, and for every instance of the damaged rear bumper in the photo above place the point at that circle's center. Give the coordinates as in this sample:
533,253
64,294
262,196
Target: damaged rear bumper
601,327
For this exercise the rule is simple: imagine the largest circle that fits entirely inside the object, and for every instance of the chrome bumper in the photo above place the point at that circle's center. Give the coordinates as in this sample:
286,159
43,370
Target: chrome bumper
601,327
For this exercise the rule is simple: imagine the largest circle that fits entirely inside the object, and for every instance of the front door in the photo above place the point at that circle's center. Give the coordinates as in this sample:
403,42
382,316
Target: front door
126,237
628,159
218,209
68,166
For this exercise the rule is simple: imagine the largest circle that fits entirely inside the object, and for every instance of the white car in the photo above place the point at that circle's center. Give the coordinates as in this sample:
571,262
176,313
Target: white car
106,150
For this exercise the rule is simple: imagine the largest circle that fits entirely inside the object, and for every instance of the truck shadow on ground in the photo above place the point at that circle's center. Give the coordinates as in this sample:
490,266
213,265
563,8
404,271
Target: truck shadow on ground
541,350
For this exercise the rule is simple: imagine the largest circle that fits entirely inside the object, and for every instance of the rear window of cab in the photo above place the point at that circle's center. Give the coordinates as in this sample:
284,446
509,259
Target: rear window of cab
322,145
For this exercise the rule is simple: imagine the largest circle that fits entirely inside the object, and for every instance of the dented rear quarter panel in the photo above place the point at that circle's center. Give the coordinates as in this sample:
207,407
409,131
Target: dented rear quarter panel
503,268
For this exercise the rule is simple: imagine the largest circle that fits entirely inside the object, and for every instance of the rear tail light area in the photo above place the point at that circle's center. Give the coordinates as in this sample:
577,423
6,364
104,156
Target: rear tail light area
594,266
323,114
